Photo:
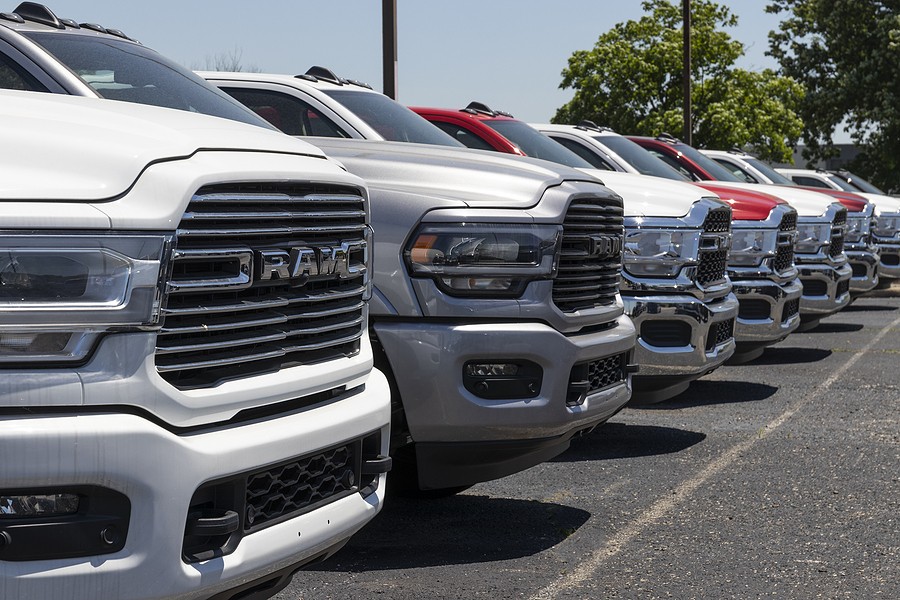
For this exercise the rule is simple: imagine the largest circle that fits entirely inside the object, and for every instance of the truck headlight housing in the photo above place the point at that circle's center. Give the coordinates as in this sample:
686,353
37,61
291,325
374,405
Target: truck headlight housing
484,259
58,293
658,253
811,237
886,226
750,246
857,228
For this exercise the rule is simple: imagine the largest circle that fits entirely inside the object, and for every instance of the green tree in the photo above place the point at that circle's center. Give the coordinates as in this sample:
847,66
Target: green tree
846,53
632,81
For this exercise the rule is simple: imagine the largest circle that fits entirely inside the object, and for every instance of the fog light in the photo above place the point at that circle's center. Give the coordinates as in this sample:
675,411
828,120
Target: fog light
492,369
502,380
37,505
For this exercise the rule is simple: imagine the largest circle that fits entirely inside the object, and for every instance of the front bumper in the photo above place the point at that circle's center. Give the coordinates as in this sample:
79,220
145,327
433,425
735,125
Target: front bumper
864,269
428,360
826,289
159,470
768,312
889,263
701,339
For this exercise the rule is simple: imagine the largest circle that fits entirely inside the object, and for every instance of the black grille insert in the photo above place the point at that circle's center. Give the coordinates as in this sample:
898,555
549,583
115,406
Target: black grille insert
814,287
718,220
592,377
789,222
719,333
791,308
666,334
842,288
266,276
712,267
591,256
754,308
784,259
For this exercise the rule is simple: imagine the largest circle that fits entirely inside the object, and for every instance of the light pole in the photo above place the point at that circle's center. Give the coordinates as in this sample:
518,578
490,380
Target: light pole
389,47
686,71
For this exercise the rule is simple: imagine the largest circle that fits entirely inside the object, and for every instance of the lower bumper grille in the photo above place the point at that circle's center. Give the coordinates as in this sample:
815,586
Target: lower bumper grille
814,287
754,309
719,333
843,287
791,308
592,377
666,334
890,260
859,269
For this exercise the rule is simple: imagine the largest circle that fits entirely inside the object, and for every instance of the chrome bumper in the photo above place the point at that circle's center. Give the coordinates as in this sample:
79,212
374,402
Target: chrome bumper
758,327
665,370
826,289
864,268
889,263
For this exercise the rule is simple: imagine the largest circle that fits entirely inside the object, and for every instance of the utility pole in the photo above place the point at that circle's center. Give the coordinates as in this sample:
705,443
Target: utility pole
686,72
389,47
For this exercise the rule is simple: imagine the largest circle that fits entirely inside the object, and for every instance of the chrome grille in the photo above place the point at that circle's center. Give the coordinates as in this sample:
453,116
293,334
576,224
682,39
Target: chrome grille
713,258
789,222
784,258
591,256
718,220
265,276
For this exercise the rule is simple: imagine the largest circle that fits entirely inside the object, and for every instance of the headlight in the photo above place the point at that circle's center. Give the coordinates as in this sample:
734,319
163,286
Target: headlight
484,259
59,293
750,246
887,226
811,237
857,228
658,253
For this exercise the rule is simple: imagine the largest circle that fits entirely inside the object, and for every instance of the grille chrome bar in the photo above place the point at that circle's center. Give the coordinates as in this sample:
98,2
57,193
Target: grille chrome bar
276,314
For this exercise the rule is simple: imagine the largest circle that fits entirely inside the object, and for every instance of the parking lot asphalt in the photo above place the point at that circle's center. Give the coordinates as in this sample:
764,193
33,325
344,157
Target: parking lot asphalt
775,479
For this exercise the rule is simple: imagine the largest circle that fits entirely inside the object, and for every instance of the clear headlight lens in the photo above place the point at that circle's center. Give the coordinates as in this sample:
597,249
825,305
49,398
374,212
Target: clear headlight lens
658,253
857,228
484,259
887,226
58,293
750,246
811,237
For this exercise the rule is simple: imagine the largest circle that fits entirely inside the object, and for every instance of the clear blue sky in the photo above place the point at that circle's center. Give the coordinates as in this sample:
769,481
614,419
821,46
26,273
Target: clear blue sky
505,53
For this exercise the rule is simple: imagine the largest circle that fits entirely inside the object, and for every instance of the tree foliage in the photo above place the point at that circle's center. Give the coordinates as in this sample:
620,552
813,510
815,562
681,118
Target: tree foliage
632,81
847,55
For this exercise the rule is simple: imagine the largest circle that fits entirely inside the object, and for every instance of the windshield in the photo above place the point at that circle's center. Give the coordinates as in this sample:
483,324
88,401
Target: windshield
638,157
861,184
841,183
122,70
534,143
773,175
393,121
718,172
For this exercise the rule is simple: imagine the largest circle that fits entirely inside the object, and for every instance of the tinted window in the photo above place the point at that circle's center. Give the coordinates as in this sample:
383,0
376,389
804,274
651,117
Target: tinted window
534,143
773,175
718,172
121,70
736,170
645,162
860,184
809,181
674,164
393,121
14,77
463,136
288,113
593,158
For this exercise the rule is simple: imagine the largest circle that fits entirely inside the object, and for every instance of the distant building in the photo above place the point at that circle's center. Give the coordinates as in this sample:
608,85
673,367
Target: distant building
847,153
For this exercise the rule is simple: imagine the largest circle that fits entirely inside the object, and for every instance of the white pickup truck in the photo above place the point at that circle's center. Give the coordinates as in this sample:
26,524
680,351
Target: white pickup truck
189,405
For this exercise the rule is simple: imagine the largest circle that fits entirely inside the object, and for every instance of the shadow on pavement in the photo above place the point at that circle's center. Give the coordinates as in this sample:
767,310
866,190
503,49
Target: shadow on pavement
789,356
621,440
462,529
836,328
705,392
855,307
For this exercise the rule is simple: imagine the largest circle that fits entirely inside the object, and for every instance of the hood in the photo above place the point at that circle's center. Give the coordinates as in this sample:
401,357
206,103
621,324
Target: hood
478,178
651,196
806,203
746,204
852,202
56,147
883,204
